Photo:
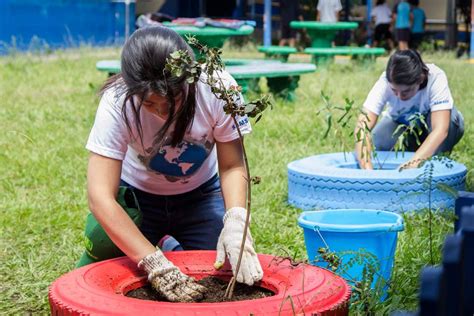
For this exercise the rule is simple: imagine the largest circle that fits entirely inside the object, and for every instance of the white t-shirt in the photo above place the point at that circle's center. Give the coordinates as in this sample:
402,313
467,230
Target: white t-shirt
157,167
382,14
436,96
328,9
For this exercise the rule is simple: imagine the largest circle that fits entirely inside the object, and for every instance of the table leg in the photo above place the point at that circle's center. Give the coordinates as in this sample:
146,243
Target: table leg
364,59
281,57
322,60
321,39
284,87
250,84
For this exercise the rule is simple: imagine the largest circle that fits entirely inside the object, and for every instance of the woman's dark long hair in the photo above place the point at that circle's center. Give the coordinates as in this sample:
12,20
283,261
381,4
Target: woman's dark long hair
406,67
143,72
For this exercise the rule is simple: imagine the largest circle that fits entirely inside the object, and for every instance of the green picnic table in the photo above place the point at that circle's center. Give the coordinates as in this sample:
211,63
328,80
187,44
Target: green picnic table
209,35
282,78
322,56
322,34
112,66
280,53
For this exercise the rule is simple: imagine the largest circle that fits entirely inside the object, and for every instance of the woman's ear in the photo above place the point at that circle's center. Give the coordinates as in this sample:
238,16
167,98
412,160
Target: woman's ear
423,78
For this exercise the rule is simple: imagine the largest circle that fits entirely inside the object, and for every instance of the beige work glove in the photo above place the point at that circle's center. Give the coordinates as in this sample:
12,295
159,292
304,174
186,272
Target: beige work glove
169,281
229,243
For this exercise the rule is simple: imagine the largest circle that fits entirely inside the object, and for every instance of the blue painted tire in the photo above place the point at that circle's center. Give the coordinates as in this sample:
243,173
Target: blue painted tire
333,181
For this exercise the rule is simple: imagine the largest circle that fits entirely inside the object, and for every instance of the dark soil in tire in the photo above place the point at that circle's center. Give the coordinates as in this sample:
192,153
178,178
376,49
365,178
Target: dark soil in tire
215,293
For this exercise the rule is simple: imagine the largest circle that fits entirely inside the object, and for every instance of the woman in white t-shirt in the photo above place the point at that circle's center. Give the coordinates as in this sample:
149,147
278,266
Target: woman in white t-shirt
165,140
382,16
409,88
328,11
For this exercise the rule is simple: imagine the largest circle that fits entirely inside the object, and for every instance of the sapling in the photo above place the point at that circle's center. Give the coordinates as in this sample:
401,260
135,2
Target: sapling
339,118
180,63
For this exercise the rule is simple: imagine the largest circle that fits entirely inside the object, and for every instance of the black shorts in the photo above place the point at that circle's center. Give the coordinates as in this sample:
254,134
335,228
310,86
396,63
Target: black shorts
403,35
289,10
382,32
416,39
287,31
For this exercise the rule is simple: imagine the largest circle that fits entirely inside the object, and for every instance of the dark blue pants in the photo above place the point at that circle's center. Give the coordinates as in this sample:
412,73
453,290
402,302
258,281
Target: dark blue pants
385,140
194,218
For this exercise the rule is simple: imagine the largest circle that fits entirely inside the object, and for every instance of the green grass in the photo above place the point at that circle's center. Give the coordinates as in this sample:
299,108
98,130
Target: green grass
47,107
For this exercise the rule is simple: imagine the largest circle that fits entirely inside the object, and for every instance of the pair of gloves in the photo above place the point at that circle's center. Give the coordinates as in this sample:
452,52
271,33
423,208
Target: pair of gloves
168,280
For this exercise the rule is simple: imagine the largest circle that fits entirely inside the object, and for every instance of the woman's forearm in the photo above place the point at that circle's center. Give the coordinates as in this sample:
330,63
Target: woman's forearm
363,151
363,139
428,147
234,186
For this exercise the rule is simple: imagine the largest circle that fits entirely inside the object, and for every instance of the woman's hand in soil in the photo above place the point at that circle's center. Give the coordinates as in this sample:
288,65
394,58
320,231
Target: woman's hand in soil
169,281
229,243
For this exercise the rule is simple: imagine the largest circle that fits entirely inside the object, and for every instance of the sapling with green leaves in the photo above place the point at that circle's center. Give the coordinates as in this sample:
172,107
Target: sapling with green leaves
338,122
181,64
366,294
415,128
427,179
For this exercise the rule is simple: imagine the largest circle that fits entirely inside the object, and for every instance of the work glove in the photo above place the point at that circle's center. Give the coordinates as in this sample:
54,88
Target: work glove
229,243
169,281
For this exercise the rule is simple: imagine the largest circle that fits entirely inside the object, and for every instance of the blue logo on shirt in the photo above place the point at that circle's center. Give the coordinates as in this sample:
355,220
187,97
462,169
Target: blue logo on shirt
242,122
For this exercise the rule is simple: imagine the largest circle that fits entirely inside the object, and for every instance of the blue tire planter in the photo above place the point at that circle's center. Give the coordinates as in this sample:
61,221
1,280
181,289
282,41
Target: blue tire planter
334,181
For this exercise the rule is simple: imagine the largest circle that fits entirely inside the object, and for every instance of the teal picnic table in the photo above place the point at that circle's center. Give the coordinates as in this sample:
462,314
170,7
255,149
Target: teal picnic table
282,78
322,34
209,35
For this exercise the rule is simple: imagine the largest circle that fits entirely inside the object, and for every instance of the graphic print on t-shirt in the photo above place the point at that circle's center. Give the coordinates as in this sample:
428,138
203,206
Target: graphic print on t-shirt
177,163
403,115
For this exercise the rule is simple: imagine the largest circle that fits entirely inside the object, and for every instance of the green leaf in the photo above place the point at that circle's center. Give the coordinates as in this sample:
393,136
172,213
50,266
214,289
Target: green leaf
249,108
176,54
329,124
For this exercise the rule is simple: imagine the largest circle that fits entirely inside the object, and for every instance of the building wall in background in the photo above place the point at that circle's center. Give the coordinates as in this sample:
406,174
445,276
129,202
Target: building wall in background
44,24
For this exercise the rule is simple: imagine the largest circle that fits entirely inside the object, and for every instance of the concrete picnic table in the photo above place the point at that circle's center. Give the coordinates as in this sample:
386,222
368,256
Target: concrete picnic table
282,78
112,66
322,34
209,35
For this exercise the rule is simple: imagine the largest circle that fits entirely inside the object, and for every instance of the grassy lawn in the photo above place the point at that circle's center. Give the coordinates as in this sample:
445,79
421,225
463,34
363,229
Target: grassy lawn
47,107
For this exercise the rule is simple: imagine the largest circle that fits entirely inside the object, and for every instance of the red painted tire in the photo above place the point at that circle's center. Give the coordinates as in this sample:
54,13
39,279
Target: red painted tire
100,288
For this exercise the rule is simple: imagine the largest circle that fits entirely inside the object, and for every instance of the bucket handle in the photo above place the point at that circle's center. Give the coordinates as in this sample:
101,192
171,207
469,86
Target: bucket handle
316,229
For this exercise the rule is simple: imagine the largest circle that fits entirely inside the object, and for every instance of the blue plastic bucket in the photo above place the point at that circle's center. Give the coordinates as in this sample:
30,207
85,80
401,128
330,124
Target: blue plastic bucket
353,230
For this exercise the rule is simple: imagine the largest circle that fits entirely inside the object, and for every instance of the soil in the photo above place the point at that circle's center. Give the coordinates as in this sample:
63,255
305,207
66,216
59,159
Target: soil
215,292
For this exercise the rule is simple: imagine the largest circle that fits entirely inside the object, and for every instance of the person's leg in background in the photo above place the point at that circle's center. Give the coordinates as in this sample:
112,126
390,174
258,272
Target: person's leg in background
403,36
377,35
382,134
